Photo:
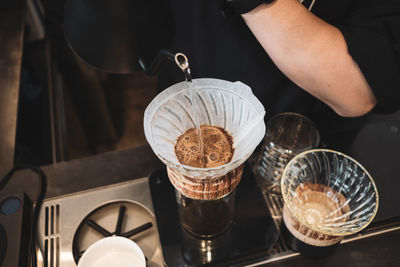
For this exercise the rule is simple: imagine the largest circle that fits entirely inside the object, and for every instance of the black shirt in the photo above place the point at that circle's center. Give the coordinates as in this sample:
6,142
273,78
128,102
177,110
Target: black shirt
226,49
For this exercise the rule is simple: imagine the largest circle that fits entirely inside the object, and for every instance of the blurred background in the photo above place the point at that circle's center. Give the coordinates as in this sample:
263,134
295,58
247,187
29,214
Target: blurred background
67,108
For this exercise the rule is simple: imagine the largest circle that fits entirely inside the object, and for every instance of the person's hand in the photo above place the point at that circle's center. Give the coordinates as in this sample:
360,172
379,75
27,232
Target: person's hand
244,6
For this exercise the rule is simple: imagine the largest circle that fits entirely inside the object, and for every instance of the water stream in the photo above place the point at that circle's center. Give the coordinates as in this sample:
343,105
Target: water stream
183,63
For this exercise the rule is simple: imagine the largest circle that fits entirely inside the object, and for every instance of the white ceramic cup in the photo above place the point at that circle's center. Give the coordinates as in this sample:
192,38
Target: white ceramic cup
113,251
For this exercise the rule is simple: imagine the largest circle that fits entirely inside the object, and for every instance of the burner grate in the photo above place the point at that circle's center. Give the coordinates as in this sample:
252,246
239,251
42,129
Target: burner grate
60,218
118,230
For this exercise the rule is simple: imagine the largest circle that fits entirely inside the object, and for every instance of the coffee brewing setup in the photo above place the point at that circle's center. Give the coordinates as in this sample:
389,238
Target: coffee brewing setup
264,204
182,215
206,198
341,194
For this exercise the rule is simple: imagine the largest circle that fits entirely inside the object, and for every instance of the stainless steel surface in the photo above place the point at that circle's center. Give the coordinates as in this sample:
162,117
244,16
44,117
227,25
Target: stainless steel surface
61,217
101,170
12,13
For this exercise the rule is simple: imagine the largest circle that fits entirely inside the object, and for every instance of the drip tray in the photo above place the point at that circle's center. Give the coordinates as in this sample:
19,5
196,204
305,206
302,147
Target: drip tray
252,234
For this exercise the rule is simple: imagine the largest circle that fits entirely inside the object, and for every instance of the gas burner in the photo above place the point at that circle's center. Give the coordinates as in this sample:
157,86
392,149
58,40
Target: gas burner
126,219
3,244
68,225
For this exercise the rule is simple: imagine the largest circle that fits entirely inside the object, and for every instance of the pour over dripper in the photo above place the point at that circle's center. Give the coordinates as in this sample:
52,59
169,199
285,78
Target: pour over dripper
205,196
338,178
327,195
229,105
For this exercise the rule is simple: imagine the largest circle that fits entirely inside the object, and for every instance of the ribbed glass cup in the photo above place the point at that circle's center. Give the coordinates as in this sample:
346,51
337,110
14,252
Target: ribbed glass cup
329,192
288,134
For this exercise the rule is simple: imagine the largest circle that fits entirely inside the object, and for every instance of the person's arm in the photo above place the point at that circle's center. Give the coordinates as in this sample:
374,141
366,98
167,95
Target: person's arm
313,54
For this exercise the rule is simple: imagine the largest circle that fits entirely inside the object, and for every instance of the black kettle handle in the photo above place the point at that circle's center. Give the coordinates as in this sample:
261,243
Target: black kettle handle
162,55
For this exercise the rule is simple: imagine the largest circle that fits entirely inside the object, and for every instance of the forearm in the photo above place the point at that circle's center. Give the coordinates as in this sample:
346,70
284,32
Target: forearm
313,54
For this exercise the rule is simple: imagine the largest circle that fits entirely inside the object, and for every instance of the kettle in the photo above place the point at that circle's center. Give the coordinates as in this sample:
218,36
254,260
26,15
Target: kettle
111,35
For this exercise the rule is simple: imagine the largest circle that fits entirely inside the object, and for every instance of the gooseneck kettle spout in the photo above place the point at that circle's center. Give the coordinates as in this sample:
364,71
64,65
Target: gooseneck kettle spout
180,60
154,67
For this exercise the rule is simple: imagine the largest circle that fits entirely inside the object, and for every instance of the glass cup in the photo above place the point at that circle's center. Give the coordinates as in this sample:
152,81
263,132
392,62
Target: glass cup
288,134
209,212
201,192
198,251
327,195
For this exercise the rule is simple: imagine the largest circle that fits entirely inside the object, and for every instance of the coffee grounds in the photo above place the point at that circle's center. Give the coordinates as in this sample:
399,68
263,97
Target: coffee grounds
217,147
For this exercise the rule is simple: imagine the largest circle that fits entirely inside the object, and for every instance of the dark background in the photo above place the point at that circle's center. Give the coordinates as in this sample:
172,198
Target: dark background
68,109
